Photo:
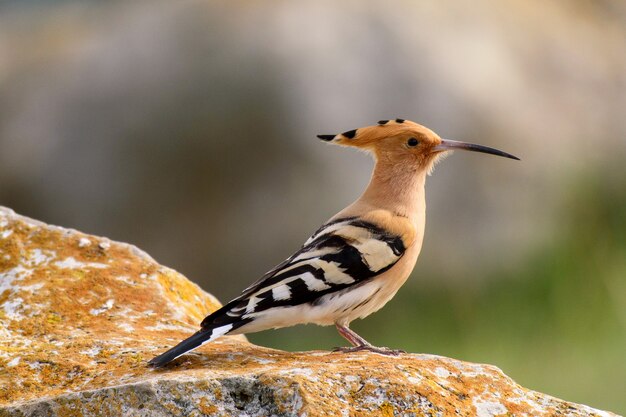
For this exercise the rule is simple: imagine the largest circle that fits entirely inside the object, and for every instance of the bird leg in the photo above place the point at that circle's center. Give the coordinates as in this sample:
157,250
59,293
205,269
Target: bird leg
358,343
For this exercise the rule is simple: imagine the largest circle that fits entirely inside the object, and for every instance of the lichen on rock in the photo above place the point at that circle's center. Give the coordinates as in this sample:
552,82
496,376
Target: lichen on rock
80,316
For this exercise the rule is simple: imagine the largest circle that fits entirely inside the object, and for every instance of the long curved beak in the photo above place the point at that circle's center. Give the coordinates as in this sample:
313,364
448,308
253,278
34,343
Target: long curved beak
449,145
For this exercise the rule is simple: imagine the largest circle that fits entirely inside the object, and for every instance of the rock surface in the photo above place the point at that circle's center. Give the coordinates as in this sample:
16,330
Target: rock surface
80,316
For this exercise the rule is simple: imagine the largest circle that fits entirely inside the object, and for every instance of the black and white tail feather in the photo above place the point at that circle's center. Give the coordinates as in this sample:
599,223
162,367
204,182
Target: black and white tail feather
343,253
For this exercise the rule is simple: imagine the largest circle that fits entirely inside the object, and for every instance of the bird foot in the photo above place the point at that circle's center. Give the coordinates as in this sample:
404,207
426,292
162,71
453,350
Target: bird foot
370,348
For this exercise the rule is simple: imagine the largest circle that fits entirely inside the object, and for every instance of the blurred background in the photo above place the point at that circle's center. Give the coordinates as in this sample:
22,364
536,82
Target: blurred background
188,128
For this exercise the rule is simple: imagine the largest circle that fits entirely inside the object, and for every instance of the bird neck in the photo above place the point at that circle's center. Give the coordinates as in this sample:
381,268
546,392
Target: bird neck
397,187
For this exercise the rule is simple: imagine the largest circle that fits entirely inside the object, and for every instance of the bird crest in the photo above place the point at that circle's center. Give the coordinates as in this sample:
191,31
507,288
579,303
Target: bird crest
382,129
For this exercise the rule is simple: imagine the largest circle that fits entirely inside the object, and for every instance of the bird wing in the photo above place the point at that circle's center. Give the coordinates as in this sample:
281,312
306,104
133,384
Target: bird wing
342,253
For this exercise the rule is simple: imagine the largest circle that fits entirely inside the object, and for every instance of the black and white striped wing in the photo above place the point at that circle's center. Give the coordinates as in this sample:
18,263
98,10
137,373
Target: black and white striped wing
342,253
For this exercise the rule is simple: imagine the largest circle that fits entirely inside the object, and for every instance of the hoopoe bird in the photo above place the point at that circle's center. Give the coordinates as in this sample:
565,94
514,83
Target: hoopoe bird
356,262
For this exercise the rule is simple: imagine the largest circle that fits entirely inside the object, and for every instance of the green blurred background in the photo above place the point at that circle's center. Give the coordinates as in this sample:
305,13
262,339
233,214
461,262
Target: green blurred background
188,128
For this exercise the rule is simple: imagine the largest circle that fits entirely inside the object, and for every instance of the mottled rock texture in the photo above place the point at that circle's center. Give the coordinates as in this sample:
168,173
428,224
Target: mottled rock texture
80,316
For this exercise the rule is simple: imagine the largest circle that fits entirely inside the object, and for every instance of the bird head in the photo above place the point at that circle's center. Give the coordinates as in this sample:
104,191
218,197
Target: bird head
402,141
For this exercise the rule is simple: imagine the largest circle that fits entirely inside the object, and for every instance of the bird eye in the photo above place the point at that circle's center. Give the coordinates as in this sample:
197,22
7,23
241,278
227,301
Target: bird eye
413,142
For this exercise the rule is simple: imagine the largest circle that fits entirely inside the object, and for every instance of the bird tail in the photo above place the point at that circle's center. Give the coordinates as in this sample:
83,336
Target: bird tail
197,339
215,325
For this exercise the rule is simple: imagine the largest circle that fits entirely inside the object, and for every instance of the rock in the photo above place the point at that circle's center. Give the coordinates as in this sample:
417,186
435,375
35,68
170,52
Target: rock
80,316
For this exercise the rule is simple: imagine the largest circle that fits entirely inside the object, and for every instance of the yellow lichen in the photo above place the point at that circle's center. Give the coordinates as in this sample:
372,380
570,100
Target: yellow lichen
53,318
386,409
206,407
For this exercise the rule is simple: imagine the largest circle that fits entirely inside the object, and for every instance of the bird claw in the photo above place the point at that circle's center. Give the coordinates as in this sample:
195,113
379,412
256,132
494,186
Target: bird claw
374,349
